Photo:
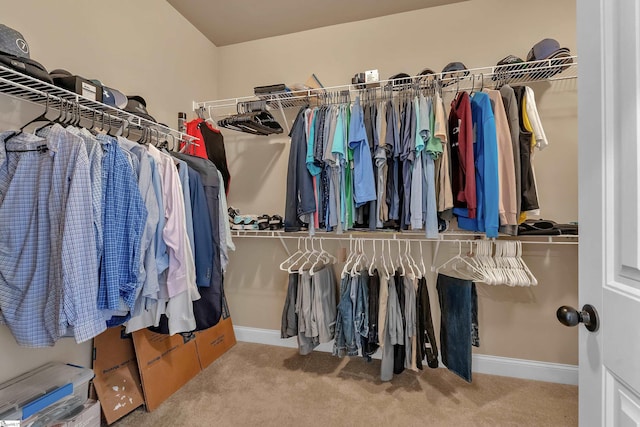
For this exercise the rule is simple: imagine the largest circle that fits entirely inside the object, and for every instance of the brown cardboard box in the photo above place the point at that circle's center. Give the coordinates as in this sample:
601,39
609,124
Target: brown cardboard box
215,341
117,381
166,363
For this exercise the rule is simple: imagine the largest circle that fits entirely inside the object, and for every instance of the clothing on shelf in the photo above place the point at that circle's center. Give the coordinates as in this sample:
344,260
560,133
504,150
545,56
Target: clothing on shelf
109,232
404,163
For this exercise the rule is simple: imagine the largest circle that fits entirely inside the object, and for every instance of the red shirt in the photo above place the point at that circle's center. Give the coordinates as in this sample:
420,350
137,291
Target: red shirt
193,129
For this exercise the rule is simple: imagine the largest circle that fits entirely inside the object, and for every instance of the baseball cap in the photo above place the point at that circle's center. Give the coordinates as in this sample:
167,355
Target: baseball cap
138,106
546,49
427,74
13,43
111,96
508,67
14,53
398,80
453,70
549,49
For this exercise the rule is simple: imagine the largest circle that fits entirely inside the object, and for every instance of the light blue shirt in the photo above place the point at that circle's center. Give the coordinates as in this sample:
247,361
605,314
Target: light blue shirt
364,189
44,275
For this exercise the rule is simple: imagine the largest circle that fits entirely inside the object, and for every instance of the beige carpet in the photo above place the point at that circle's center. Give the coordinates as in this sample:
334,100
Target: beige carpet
262,385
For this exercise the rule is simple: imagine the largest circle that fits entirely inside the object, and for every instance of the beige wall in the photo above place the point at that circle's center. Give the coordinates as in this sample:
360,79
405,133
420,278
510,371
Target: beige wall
140,47
514,322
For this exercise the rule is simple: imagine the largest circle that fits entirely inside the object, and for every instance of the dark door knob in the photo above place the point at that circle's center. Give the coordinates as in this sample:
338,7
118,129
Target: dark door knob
569,316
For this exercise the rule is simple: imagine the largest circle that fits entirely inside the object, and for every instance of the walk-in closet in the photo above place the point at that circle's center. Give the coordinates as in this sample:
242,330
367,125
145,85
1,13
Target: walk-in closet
338,213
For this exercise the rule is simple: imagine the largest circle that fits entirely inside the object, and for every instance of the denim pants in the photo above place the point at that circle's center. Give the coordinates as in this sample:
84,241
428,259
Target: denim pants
458,324
345,341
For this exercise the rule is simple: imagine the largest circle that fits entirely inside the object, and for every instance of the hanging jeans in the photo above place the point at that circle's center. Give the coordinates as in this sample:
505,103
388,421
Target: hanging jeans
345,341
289,326
458,324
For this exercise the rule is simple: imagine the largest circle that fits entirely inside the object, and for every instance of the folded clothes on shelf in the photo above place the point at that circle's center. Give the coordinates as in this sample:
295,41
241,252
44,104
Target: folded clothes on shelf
545,227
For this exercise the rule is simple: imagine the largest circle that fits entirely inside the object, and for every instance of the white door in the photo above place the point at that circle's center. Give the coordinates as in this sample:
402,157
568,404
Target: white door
609,159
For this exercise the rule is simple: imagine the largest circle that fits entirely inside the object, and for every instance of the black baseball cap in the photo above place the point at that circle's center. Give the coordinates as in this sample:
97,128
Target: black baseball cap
138,106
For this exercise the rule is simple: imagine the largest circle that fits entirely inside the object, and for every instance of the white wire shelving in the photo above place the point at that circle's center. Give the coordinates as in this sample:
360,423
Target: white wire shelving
448,236
27,88
548,70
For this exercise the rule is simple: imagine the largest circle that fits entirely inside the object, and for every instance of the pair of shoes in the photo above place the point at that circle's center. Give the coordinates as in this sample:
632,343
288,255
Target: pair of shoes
242,222
263,221
275,222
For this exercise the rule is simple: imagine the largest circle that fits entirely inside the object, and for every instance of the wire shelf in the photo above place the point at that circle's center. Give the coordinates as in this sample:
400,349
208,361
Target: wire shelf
23,87
448,236
548,70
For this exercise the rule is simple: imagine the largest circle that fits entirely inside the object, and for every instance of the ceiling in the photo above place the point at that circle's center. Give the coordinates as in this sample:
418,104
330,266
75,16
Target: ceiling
238,21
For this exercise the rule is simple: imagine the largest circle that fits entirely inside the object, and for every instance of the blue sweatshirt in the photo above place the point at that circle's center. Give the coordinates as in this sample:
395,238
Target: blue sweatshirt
485,150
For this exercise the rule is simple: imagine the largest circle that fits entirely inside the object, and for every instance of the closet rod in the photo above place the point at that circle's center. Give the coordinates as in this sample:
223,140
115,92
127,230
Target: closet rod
27,88
448,238
517,74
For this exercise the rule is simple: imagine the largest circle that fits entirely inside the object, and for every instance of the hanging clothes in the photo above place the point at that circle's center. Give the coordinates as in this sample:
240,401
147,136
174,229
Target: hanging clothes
299,200
210,145
130,249
529,194
458,323
463,177
485,149
506,170
510,104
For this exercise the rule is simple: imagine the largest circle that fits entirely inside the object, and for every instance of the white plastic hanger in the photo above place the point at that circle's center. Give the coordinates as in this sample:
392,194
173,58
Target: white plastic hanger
345,268
473,272
422,266
373,259
284,265
293,267
392,268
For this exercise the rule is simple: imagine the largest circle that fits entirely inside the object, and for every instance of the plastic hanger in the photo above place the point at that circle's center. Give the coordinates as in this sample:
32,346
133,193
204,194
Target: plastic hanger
373,260
412,273
474,273
283,265
393,267
422,266
294,261
345,268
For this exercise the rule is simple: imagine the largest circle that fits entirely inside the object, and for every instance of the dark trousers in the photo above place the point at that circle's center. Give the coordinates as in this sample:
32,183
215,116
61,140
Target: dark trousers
458,324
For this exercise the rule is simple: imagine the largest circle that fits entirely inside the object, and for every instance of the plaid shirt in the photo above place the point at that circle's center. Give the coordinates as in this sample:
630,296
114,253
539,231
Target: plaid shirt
124,217
48,260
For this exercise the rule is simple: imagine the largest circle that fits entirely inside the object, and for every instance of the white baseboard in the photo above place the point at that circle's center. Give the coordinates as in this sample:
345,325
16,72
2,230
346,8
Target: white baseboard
483,364
525,369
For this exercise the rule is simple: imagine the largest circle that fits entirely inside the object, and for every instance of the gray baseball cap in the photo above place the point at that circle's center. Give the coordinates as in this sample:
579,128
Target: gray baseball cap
12,42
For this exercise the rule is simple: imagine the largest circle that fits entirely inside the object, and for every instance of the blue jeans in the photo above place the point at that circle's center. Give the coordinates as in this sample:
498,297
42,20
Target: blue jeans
459,323
345,341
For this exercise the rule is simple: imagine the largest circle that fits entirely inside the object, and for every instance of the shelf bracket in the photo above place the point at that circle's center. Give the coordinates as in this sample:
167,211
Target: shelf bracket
284,117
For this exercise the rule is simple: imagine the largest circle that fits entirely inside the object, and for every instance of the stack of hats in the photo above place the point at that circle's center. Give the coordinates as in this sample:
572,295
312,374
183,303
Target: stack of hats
547,56
14,53
548,60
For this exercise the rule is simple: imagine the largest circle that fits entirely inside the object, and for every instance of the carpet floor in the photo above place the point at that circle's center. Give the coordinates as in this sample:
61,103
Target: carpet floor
255,384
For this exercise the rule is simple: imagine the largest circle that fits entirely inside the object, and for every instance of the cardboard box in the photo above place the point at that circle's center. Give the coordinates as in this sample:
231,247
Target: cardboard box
117,381
89,417
214,342
166,363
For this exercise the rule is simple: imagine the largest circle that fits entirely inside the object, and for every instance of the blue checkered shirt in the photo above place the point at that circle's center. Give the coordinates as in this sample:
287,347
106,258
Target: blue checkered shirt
48,260
124,217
